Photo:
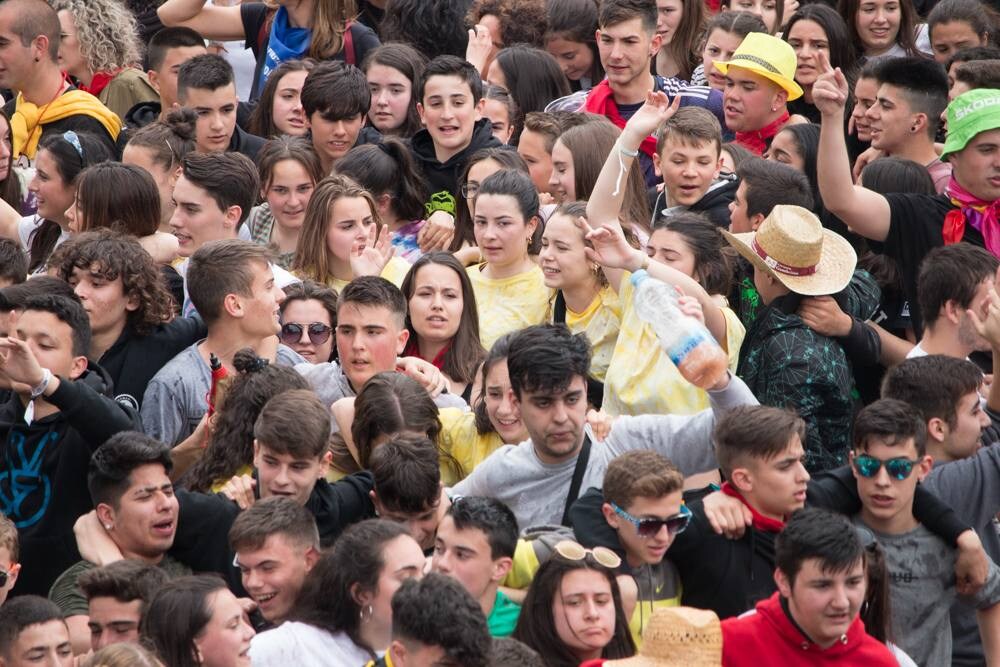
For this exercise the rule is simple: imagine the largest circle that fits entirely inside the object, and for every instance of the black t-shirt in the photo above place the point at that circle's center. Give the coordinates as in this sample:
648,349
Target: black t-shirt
254,16
914,230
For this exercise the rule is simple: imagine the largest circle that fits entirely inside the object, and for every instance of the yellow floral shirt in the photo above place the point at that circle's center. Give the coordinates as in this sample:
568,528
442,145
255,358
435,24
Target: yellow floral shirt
509,304
601,322
641,379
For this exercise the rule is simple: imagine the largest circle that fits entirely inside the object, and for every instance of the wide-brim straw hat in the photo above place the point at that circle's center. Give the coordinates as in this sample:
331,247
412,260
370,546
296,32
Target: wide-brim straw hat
678,637
792,245
768,56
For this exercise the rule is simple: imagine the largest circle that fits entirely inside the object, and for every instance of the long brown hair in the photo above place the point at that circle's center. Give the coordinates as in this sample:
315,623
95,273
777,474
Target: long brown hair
312,257
684,47
122,197
330,18
10,189
464,353
590,145
905,38
284,148
536,626
261,121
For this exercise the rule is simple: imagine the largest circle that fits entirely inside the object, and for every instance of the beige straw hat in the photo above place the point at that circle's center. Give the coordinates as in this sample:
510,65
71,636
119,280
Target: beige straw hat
678,637
792,246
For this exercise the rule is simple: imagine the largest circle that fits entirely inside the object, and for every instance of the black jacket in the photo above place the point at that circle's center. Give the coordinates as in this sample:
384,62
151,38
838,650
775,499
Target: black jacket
714,204
141,115
43,471
442,177
204,520
246,143
133,360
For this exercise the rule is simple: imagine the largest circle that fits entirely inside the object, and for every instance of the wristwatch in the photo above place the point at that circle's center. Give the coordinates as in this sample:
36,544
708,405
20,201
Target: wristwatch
40,388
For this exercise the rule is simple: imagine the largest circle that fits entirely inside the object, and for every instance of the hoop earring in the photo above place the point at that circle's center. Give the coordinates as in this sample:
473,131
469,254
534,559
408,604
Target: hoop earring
366,613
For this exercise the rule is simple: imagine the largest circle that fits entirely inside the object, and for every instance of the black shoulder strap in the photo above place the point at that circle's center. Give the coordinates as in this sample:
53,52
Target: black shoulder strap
574,487
559,309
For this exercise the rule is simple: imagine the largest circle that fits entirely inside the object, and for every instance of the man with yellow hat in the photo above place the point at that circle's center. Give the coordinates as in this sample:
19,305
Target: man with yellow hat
46,101
909,225
759,84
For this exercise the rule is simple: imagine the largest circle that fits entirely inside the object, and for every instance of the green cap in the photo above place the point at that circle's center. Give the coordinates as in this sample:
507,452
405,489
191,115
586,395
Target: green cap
969,114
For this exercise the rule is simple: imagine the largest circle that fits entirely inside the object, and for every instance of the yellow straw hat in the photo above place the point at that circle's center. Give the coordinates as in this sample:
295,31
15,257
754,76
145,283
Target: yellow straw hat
768,56
678,637
792,246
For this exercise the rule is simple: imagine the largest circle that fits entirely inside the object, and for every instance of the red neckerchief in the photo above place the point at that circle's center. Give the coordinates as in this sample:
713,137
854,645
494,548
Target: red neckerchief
757,141
98,83
413,350
760,522
601,100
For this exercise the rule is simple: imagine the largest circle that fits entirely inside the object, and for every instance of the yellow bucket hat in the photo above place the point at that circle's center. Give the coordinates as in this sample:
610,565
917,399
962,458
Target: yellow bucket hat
768,56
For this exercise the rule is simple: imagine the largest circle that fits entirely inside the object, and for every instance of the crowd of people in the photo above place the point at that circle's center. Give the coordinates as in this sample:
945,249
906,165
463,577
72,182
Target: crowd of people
478,333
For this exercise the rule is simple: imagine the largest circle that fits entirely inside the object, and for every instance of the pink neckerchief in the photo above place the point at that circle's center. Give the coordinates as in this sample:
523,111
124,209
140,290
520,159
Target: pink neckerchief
982,215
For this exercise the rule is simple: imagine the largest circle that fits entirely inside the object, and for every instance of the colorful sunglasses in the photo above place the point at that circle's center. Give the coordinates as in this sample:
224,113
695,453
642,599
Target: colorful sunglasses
575,551
319,333
650,527
898,468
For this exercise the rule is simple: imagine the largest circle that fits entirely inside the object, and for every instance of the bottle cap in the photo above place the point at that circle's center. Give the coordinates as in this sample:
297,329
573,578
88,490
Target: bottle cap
638,277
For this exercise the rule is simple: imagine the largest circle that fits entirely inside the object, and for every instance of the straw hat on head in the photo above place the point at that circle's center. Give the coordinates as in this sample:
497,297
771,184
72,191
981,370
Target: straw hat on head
768,56
678,637
792,246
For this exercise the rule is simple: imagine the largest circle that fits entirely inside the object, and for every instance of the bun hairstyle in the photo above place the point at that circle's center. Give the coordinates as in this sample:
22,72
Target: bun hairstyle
247,361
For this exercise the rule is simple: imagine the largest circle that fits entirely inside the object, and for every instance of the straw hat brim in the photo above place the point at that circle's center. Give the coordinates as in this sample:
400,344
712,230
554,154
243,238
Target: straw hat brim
833,273
793,89
683,661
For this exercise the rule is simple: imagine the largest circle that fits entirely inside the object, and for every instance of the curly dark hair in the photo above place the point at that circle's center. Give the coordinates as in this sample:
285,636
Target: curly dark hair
521,21
114,256
231,444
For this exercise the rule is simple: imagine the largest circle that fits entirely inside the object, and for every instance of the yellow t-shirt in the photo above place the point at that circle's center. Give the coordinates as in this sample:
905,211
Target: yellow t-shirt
394,272
641,379
600,321
509,304
460,438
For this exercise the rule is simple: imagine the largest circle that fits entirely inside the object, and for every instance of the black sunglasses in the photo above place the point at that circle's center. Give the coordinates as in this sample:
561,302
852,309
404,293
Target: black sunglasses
319,333
651,527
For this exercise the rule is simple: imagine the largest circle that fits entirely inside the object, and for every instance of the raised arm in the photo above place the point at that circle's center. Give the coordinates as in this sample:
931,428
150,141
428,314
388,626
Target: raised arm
210,21
611,251
9,220
609,191
865,212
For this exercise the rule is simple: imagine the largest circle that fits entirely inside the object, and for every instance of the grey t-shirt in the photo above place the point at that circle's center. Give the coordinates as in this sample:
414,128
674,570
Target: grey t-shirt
536,491
177,397
922,589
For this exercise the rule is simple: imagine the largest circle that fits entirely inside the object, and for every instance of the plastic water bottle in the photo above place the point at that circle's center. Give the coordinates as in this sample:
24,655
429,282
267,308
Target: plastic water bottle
686,341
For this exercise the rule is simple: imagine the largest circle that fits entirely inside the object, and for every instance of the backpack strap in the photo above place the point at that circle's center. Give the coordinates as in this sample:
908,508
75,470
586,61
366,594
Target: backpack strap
349,56
574,486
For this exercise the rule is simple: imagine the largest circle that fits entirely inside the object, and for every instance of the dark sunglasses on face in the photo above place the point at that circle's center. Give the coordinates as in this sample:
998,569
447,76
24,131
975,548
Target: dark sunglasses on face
898,468
291,332
650,527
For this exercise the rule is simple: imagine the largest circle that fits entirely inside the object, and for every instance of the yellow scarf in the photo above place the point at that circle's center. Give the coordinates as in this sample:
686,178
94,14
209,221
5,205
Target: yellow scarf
28,119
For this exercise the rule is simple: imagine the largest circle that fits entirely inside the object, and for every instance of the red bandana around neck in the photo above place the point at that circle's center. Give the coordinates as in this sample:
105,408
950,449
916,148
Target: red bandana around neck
760,522
99,82
601,101
756,141
412,349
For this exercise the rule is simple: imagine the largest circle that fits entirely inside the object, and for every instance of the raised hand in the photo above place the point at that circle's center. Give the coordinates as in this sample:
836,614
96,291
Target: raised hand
18,365
610,249
437,232
830,92
989,327
480,47
655,111
378,250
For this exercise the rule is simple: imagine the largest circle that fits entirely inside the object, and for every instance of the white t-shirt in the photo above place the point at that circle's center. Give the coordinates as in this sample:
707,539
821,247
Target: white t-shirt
294,644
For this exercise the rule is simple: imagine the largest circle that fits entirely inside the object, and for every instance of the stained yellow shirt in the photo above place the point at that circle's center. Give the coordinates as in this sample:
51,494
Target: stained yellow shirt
508,304
460,438
641,379
394,272
601,322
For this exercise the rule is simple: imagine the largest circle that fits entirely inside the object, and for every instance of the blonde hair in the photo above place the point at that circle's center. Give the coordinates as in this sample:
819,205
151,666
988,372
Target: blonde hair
328,27
122,655
312,257
107,32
